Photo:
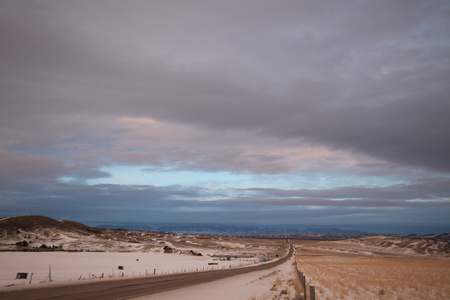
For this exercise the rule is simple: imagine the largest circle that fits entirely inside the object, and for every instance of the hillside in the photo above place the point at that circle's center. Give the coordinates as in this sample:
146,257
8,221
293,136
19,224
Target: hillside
30,223
401,245
31,233
383,245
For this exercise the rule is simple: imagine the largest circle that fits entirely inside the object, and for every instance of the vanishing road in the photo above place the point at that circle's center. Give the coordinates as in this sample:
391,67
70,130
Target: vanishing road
129,288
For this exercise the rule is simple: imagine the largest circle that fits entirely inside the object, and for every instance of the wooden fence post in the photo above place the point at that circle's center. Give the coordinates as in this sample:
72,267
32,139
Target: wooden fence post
312,293
304,286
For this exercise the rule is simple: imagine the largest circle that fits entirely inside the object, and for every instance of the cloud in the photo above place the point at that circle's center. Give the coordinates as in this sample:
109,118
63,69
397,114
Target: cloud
350,89
317,203
25,167
356,87
426,189
98,204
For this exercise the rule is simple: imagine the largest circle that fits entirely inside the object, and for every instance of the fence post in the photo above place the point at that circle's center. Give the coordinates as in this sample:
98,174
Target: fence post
312,293
304,286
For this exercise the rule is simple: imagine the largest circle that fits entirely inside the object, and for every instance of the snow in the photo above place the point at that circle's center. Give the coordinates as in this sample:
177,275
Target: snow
274,283
232,245
69,267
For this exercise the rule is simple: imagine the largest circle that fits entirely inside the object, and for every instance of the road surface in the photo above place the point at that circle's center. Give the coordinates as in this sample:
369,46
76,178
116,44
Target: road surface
129,288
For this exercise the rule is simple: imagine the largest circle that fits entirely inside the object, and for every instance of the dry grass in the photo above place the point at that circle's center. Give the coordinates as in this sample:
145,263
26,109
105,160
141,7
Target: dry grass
278,291
273,273
347,276
283,286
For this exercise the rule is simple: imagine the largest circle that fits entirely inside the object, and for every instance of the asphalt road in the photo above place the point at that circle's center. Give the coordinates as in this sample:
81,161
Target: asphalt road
129,288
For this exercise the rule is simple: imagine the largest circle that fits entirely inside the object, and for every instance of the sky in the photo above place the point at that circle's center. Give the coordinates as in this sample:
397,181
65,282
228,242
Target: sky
317,113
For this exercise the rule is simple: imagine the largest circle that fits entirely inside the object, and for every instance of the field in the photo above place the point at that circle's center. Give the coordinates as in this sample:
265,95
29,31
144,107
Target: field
365,270
278,283
60,267
63,252
66,268
368,267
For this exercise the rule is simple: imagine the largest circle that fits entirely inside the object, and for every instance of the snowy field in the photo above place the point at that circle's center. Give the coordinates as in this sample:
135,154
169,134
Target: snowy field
276,283
49,268
93,254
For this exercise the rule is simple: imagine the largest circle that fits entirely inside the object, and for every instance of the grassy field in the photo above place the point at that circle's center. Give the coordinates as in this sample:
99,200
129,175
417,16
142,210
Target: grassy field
345,275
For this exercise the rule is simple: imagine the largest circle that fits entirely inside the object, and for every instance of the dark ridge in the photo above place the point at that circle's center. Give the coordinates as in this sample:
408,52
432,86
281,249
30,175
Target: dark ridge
32,222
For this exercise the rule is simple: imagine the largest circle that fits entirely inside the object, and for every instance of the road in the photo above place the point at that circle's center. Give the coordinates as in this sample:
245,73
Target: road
129,288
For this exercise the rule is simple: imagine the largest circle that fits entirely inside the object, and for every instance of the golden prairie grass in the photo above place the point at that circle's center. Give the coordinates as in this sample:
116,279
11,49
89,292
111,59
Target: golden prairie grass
366,277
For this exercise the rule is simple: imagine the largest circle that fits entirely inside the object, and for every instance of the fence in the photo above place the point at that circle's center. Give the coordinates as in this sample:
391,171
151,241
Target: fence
304,285
34,275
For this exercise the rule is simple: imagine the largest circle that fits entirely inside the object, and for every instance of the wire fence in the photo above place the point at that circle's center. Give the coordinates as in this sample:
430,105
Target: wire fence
47,274
308,291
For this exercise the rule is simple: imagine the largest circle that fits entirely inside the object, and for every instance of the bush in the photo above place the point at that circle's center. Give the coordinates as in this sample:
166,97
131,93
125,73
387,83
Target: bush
22,244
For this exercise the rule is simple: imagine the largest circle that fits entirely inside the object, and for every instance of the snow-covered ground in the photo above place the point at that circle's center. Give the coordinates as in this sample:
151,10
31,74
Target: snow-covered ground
92,254
46,268
276,283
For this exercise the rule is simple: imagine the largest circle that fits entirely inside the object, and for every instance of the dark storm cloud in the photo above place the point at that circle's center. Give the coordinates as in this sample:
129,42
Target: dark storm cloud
426,189
367,77
412,131
355,204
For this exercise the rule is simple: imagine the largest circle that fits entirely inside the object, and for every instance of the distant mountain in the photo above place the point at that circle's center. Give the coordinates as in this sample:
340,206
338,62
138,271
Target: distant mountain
330,230
31,222
229,229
